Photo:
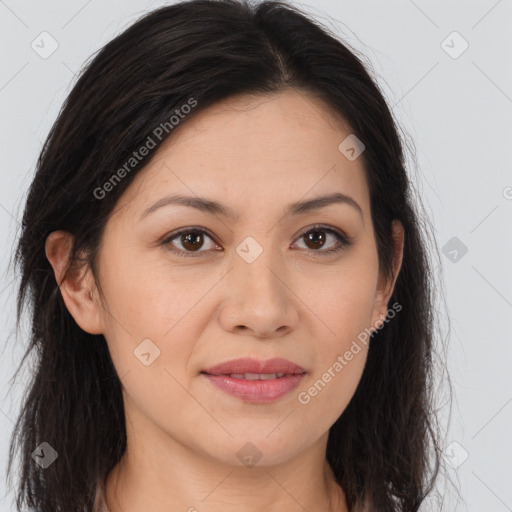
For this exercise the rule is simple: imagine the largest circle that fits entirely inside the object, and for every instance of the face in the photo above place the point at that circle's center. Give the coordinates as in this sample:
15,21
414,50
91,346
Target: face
189,286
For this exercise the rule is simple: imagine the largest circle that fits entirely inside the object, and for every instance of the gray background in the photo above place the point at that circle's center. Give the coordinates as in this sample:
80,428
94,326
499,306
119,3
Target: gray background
457,109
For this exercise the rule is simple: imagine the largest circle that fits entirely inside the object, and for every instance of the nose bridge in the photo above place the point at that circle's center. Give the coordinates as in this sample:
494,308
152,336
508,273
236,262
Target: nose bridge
256,268
258,298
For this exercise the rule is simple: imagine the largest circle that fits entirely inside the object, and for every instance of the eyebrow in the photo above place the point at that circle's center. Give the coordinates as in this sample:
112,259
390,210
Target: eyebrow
216,208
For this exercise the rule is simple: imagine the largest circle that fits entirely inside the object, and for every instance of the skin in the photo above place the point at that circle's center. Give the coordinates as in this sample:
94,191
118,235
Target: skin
255,155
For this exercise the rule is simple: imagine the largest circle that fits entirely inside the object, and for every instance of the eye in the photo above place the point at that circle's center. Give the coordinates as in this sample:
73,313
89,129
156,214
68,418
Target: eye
316,238
190,240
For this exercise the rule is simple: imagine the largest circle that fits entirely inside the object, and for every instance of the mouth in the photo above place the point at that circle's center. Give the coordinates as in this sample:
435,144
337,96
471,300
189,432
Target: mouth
254,376
256,381
256,369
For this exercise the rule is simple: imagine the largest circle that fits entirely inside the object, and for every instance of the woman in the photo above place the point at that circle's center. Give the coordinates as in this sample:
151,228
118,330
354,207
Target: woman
230,290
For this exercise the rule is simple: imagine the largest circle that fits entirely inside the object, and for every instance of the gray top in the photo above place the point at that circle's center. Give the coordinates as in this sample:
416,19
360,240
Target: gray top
99,502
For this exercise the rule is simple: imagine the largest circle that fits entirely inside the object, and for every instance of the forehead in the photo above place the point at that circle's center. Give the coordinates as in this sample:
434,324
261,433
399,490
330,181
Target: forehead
249,149
249,123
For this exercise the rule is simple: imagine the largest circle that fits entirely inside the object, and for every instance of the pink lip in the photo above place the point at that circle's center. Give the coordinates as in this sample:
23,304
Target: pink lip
248,365
256,391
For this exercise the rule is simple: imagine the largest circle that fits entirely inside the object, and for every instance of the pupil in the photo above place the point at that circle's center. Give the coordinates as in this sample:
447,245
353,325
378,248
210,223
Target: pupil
317,238
190,239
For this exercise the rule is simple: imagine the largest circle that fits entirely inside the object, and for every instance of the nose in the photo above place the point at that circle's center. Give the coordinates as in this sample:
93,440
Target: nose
259,301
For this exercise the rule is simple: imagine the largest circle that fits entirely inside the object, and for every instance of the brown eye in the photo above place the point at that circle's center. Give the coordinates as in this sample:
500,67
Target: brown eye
188,241
324,240
192,241
315,239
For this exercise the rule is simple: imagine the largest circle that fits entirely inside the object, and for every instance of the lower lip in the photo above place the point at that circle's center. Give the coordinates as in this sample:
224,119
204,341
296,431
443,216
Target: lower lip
256,391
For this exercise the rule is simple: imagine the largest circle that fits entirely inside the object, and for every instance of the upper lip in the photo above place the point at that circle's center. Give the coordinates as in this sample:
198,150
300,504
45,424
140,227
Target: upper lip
248,365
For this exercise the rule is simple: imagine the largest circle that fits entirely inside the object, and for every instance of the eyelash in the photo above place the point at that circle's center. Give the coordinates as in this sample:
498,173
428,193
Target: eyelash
343,240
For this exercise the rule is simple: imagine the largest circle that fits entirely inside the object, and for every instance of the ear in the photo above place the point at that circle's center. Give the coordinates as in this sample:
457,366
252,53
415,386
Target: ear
77,285
387,285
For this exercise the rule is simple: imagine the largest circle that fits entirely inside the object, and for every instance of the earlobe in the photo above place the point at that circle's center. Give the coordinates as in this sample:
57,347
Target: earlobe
76,284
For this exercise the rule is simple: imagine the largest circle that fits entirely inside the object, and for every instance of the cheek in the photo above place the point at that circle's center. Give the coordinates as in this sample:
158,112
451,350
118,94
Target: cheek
343,306
334,380
343,302
154,321
149,298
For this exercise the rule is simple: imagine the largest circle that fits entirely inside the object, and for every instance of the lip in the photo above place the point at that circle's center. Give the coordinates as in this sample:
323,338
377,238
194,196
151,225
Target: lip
249,365
256,391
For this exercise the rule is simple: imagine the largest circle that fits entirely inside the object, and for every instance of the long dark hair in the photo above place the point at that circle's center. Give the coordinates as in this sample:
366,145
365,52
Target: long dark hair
385,448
